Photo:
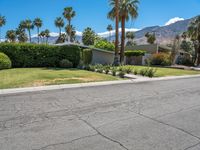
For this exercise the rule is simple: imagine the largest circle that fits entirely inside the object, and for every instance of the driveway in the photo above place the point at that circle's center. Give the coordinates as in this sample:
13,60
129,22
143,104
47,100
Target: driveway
160,115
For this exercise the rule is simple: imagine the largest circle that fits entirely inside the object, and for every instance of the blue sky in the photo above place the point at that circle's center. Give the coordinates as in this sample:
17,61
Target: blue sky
93,13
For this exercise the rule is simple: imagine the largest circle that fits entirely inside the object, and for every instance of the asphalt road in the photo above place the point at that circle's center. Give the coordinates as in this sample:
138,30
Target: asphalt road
160,115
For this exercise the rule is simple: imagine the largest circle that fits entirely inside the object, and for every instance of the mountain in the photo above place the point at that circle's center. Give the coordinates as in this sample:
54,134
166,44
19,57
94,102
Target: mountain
164,34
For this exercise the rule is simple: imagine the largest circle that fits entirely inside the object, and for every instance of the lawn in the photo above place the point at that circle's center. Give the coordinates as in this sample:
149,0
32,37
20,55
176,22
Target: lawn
163,72
28,77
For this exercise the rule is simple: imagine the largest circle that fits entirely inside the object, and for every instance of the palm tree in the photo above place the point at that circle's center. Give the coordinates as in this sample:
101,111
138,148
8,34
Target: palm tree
47,35
71,30
2,23
11,35
21,34
114,15
59,23
38,23
109,29
130,35
69,13
42,35
127,9
28,25
194,34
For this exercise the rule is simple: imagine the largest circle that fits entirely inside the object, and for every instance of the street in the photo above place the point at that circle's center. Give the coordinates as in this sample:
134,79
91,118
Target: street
159,115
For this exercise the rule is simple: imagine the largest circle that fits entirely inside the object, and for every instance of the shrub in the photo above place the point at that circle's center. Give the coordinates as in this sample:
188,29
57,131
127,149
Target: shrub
130,53
162,59
105,45
5,62
32,55
128,70
107,69
151,72
99,68
87,56
135,72
143,71
121,74
114,71
65,63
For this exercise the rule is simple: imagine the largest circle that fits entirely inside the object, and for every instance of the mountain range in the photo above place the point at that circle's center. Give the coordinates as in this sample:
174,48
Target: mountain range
164,34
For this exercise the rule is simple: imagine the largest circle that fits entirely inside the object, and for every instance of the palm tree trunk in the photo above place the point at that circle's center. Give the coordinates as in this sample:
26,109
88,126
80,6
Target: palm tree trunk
116,59
0,34
29,32
59,31
38,30
69,36
122,41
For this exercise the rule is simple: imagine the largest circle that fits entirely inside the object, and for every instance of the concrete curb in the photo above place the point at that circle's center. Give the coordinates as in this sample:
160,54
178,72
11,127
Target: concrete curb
92,84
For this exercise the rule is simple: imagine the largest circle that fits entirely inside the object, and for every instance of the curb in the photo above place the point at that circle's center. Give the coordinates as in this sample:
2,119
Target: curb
92,84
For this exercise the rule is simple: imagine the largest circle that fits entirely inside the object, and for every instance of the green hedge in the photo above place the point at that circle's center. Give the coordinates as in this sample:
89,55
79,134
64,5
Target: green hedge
130,53
5,62
87,56
32,55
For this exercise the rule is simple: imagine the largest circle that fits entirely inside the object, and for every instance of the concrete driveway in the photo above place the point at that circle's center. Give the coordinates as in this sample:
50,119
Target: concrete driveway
160,115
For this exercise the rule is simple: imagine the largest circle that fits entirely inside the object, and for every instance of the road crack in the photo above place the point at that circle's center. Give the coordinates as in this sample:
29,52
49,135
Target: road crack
63,143
102,135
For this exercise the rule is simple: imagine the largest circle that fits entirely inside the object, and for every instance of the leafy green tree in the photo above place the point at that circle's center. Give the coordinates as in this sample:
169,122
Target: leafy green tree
69,13
109,29
194,35
127,9
47,35
151,37
88,37
59,23
2,23
28,25
11,35
38,23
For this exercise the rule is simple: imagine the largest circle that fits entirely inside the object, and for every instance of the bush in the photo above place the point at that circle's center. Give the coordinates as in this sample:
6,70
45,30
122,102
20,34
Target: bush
105,45
65,63
121,74
5,62
114,71
128,70
151,72
135,72
87,56
143,71
130,53
162,59
32,55
107,69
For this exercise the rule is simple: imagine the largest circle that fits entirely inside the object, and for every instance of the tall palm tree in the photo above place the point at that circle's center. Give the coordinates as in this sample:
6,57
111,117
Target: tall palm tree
2,23
114,15
28,25
109,29
47,35
38,23
69,13
194,34
59,23
127,9
11,35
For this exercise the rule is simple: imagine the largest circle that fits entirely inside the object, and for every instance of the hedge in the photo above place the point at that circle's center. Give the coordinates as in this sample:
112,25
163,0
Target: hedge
130,53
32,55
5,62
87,56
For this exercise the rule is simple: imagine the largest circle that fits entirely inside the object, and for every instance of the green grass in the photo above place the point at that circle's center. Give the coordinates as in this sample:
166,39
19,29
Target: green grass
163,72
29,77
